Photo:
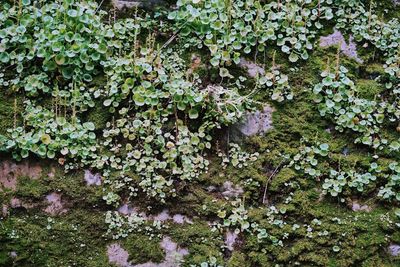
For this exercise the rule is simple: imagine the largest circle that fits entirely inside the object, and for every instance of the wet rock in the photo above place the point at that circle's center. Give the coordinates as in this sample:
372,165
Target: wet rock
230,190
125,209
258,122
345,151
92,179
15,203
177,218
211,188
336,38
252,68
230,240
55,206
10,171
117,255
394,250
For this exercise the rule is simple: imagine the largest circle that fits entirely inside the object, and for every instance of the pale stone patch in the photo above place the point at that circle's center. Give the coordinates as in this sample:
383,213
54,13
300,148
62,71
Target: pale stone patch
163,216
355,206
230,240
258,122
117,255
118,4
92,179
121,4
229,190
394,250
55,206
336,38
10,171
173,255
253,70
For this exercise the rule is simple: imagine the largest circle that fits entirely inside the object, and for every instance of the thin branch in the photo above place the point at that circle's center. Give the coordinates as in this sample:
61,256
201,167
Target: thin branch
269,178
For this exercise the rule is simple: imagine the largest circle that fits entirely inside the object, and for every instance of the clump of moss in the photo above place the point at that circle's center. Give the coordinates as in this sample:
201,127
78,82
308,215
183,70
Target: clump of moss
369,89
142,249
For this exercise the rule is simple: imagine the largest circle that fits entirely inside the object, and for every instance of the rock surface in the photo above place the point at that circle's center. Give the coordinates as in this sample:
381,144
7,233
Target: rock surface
258,122
55,206
230,190
355,206
92,179
252,68
173,255
10,171
117,255
394,250
230,240
336,38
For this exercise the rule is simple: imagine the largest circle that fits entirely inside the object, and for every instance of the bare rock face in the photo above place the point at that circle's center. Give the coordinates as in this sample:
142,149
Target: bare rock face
55,206
229,190
10,171
117,255
258,122
252,68
355,206
394,250
230,240
336,38
92,179
163,216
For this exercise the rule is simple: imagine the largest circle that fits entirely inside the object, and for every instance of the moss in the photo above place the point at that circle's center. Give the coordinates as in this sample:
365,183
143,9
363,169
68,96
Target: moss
99,115
369,89
73,239
198,239
238,260
375,69
30,188
141,249
284,176
196,233
72,186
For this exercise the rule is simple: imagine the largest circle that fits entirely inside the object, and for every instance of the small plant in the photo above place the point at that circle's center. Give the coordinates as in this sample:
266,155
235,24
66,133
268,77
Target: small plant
50,136
307,159
237,157
228,28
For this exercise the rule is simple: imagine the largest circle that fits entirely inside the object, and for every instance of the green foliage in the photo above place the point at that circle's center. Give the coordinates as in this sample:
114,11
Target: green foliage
49,136
66,37
228,28
108,93
237,157
366,25
337,98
